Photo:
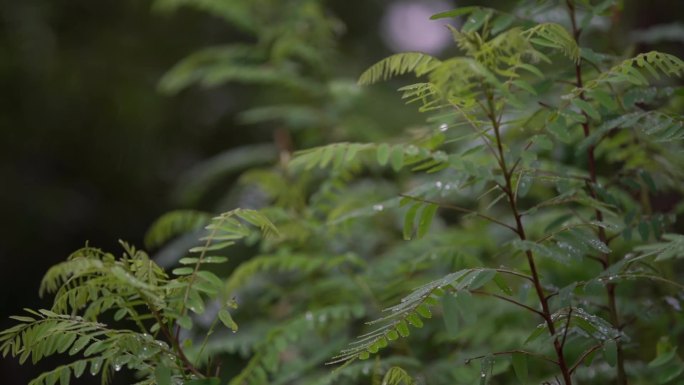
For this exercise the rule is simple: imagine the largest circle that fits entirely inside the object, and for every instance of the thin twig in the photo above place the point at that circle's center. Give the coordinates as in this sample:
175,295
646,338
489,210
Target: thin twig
175,343
508,189
477,131
567,327
461,209
588,352
511,272
501,297
506,352
610,288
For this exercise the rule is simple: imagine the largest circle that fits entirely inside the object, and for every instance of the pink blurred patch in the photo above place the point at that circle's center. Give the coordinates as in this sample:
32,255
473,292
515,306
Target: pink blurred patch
406,26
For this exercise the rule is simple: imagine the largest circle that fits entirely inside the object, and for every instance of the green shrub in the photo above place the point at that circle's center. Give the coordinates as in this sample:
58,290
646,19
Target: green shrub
523,235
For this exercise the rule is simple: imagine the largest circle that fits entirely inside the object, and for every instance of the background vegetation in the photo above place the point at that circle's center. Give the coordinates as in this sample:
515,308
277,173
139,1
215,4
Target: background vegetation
92,151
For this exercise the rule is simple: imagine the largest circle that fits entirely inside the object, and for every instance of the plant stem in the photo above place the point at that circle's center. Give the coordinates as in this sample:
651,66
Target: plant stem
175,344
462,210
501,297
507,352
520,230
610,287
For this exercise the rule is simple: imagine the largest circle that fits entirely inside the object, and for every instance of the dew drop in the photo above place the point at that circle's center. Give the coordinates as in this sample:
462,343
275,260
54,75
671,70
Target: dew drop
438,184
117,368
443,127
412,150
673,302
378,207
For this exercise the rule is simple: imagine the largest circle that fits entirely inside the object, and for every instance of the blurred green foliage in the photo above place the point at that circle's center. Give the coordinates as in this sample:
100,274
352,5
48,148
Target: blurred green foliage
92,151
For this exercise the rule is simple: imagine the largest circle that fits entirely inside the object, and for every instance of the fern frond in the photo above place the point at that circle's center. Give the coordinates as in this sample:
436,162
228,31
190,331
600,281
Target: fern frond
655,126
397,376
630,70
188,290
339,154
399,64
237,13
229,227
577,320
409,312
347,155
459,81
267,357
174,223
426,93
197,181
305,264
45,333
239,63
63,373
673,247
355,371
554,36
211,76
98,281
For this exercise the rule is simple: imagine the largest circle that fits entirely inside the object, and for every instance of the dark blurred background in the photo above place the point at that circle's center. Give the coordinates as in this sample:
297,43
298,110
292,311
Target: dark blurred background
90,150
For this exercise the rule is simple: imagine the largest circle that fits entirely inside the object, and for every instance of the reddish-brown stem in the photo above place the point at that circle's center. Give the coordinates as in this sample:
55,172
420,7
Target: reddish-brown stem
175,344
503,298
587,353
567,327
601,232
515,273
510,193
460,209
507,352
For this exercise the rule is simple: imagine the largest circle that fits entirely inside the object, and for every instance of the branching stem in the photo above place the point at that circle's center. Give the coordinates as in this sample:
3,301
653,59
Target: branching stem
173,340
462,210
501,297
517,274
587,353
507,352
520,230
605,261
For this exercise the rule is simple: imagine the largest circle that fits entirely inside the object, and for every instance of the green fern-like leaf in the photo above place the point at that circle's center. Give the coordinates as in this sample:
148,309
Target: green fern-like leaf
554,36
589,325
357,370
672,248
266,358
630,70
655,126
173,224
44,333
280,263
233,63
409,312
97,281
399,64
237,13
397,376
420,156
